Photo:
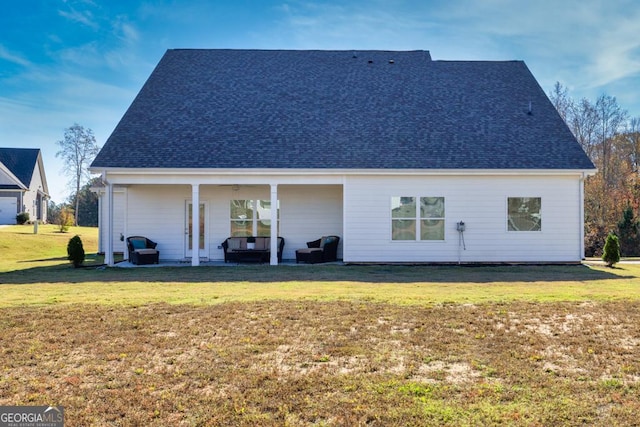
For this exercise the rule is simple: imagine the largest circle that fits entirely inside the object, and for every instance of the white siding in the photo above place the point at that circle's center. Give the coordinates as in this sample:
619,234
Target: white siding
479,201
308,212
313,208
119,209
158,213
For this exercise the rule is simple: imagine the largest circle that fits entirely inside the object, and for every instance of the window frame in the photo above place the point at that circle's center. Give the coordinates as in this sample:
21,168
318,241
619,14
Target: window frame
254,218
508,221
417,218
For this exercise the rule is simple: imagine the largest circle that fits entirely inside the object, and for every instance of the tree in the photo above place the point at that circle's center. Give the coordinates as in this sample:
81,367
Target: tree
77,149
610,120
53,211
583,123
65,218
75,251
628,231
87,204
632,141
611,252
560,99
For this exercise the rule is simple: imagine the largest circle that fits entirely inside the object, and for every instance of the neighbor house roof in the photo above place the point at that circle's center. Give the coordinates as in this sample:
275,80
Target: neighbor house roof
339,110
21,162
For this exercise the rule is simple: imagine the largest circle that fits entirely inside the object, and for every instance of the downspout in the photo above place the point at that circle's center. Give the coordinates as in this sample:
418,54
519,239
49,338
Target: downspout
100,226
581,215
108,253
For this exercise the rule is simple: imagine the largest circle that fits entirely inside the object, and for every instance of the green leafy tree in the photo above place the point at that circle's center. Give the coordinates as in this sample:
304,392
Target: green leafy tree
611,252
75,251
77,149
628,232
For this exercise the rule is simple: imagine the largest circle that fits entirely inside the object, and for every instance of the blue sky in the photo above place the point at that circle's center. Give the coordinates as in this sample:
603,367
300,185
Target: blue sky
83,61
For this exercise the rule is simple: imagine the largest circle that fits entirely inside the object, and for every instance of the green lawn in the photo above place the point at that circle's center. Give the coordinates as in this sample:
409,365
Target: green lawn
34,271
315,345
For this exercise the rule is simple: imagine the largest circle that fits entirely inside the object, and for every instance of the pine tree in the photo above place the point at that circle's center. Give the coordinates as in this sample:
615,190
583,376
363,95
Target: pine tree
611,253
628,232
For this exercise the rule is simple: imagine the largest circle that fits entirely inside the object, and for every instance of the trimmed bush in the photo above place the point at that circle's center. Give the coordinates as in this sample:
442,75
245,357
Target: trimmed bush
75,251
611,252
22,218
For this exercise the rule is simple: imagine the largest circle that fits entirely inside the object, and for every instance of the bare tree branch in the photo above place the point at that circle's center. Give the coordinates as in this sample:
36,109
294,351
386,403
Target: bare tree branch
77,149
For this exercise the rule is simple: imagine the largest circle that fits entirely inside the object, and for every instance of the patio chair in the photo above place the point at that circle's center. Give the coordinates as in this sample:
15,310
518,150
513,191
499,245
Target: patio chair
142,250
324,249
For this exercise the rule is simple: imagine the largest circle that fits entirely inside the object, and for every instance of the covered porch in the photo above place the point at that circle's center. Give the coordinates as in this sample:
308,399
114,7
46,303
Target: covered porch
161,208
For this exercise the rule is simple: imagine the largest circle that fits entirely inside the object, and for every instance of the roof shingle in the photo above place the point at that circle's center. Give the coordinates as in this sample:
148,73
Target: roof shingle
339,110
21,162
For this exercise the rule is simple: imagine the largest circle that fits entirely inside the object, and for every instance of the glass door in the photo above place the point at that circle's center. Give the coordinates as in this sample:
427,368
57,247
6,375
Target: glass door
189,231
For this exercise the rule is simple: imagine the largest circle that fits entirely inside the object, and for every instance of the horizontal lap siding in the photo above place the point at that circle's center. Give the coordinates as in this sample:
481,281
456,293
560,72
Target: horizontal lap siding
157,212
481,202
119,198
307,212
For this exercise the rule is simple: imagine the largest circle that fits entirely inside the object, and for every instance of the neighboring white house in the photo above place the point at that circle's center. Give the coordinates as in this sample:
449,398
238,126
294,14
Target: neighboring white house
23,185
389,150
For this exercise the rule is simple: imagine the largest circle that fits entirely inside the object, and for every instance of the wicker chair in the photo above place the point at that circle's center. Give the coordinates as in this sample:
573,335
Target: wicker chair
142,250
324,249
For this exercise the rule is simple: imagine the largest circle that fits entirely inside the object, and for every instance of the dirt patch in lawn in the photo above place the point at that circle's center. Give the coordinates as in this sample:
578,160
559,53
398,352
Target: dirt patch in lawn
335,363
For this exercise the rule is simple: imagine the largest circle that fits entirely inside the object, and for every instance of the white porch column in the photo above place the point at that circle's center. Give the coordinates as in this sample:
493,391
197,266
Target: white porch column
108,250
101,223
195,225
274,224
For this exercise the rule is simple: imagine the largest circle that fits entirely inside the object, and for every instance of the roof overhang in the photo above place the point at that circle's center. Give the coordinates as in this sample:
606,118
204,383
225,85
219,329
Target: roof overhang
240,176
5,171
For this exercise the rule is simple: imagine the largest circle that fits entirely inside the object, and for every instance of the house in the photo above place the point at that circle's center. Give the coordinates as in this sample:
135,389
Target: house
23,185
407,159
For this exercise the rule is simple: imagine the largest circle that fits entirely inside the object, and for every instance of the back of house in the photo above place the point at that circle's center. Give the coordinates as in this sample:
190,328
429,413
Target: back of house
405,158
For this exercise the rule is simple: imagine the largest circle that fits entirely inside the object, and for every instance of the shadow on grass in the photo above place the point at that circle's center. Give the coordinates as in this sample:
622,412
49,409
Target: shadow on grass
65,273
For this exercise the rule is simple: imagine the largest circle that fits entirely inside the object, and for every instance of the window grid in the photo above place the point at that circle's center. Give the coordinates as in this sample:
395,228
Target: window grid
411,221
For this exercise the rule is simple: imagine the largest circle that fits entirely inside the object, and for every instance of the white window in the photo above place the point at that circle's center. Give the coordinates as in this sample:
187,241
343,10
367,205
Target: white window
251,218
431,218
410,221
524,214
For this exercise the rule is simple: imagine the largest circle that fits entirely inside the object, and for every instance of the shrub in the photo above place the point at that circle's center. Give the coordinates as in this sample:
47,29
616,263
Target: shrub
22,218
65,219
75,251
611,252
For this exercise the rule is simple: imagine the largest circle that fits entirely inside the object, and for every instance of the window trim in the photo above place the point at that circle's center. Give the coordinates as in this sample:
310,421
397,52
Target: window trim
417,218
255,220
507,216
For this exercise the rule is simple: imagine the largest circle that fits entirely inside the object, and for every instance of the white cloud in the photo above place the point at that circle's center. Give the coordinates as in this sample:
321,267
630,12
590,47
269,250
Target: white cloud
13,57
348,26
83,17
125,31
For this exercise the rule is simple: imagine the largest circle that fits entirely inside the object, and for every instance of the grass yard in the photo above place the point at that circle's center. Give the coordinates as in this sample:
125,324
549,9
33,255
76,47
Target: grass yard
316,345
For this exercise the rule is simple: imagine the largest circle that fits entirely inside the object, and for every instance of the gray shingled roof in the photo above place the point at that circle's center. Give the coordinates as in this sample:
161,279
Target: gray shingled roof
21,162
339,110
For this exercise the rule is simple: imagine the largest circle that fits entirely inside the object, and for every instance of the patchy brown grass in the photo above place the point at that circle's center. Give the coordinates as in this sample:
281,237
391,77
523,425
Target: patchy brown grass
301,363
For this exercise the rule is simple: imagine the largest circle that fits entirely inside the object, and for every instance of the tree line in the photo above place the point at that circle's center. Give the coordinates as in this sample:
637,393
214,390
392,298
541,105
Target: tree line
611,139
